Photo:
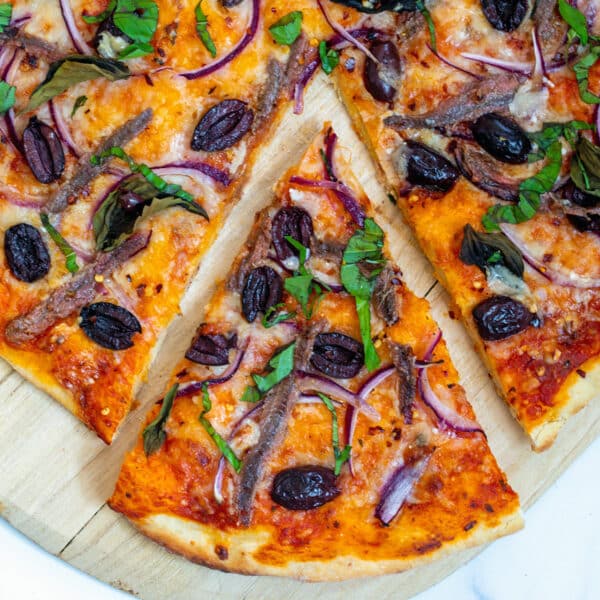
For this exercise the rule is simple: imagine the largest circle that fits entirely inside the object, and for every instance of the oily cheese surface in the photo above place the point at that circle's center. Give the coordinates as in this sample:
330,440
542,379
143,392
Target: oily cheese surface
54,490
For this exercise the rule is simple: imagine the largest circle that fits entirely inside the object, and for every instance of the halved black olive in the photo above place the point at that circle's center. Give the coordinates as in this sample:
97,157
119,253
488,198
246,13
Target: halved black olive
304,488
26,252
43,151
571,192
211,349
589,222
381,79
109,325
428,169
263,289
504,15
500,317
502,137
337,355
294,222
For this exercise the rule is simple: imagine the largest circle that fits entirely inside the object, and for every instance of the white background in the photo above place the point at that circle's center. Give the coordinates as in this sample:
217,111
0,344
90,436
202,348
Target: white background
557,556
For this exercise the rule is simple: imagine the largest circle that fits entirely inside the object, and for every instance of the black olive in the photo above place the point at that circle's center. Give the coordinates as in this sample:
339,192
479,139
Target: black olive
263,288
43,151
337,355
381,79
304,488
504,15
377,6
211,349
499,317
222,126
589,222
294,222
502,138
26,253
109,325
426,168
571,192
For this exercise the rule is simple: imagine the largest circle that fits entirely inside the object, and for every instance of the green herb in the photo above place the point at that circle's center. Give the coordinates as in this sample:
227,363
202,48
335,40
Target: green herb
221,444
585,169
302,284
251,394
137,19
495,257
74,69
364,253
327,164
63,245
136,50
330,58
202,30
287,29
341,456
5,15
79,102
154,435
430,24
7,96
576,21
582,72
270,319
91,19
282,364
551,132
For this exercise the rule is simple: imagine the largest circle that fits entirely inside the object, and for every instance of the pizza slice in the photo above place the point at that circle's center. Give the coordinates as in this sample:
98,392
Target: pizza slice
316,427
481,122
128,133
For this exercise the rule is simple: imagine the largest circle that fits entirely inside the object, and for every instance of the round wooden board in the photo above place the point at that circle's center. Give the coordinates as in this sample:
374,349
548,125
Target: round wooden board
55,475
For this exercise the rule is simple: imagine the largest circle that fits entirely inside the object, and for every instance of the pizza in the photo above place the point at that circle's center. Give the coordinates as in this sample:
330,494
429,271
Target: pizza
316,427
481,116
128,129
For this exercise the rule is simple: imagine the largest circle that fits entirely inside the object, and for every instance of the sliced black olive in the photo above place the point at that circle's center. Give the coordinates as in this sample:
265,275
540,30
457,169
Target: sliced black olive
426,168
499,317
571,192
263,288
589,222
377,6
26,253
337,355
294,222
382,79
504,15
43,151
211,349
502,138
304,488
109,325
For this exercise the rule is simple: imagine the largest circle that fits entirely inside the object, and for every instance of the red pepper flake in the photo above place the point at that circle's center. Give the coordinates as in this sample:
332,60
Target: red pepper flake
581,373
470,525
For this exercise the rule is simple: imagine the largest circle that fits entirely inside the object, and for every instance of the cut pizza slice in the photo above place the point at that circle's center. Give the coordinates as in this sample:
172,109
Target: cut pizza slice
117,168
316,427
482,132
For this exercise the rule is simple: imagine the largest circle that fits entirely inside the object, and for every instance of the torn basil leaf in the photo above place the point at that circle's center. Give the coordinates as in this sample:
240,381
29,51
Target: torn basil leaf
154,435
272,317
330,57
7,96
282,364
202,30
582,72
485,249
137,19
287,29
81,100
341,456
72,70
63,245
576,20
5,15
585,167
136,50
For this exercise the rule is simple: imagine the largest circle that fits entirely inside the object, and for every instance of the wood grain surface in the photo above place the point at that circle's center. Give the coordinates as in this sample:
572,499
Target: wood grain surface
55,475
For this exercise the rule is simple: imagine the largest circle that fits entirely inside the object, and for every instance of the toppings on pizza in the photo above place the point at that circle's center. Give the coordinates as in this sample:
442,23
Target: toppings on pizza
43,151
26,252
109,325
304,488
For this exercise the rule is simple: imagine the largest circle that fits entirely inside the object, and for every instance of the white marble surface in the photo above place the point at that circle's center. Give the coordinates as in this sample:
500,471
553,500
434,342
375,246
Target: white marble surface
556,557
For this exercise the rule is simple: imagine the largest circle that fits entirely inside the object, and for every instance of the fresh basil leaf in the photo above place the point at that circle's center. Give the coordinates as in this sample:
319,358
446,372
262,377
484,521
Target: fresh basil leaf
5,15
530,193
282,364
482,249
430,24
330,58
341,456
137,19
287,30
72,70
91,19
202,30
79,102
251,394
136,50
576,20
585,168
154,435
270,319
221,444
7,96
63,245
582,71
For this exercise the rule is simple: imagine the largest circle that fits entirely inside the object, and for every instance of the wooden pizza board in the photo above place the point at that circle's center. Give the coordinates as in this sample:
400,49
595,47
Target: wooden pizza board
55,475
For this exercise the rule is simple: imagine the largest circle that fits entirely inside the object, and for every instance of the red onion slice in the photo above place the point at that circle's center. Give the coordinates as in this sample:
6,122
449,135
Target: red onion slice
556,276
374,381
398,488
62,129
78,42
343,192
330,143
524,68
237,49
310,383
298,89
20,21
451,64
345,34
194,169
